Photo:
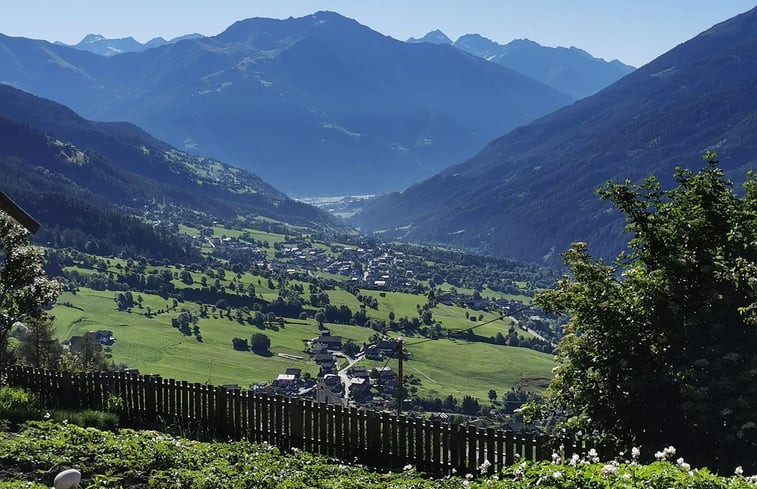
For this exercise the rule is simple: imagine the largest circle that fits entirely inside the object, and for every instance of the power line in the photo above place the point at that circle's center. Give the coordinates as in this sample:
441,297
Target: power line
450,332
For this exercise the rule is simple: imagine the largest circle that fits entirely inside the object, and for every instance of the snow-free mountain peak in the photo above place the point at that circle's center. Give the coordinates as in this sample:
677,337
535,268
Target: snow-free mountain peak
433,37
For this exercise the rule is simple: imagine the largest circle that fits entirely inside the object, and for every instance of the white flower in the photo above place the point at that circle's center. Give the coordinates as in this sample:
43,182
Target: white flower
635,453
682,464
407,467
484,467
670,451
555,458
574,460
469,476
626,476
739,471
466,484
659,455
609,469
557,475
593,456
46,416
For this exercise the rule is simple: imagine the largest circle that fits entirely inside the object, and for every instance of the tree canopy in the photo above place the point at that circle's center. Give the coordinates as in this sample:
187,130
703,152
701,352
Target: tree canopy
661,347
24,287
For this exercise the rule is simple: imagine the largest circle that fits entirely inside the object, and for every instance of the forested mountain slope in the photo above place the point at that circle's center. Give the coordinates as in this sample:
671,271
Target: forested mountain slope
530,193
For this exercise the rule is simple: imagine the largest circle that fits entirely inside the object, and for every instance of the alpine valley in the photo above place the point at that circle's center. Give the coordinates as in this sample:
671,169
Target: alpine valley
530,193
467,263
318,105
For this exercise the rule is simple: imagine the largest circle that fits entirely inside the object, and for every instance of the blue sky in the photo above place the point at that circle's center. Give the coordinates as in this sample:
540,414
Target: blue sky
634,31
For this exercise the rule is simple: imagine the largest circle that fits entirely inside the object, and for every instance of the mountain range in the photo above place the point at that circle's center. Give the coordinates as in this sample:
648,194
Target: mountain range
569,70
318,105
530,193
85,180
95,43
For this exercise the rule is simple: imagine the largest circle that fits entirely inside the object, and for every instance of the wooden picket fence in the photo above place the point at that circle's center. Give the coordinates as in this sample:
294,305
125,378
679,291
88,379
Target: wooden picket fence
378,439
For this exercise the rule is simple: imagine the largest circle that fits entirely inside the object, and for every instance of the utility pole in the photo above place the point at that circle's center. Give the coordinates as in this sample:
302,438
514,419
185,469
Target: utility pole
399,376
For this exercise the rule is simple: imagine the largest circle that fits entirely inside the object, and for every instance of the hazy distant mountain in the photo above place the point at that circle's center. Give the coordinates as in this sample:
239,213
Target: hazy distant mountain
433,37
47,147
530,193
317,105
95,43
569,70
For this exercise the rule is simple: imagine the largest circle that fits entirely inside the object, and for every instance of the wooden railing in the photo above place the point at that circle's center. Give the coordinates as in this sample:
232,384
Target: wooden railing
377,439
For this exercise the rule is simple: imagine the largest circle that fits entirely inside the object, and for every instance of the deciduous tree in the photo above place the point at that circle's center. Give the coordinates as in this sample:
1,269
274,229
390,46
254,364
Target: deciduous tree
24,287
661,347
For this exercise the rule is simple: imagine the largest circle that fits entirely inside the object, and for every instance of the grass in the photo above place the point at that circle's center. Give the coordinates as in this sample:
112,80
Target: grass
462,368
153,346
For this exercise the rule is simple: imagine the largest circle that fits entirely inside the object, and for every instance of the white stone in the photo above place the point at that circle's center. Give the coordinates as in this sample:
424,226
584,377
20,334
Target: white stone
67,479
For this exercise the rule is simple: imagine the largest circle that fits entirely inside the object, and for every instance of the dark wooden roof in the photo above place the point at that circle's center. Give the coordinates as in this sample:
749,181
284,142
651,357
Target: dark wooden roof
17,213
330,340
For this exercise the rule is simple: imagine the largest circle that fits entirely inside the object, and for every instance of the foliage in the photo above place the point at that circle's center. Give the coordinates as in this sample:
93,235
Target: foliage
131,458
260,342
24,288
87,418
581,473
38,346
17,405
128,458
661,347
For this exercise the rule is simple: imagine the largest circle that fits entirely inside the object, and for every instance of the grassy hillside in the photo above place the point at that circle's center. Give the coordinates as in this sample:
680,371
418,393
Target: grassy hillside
153,346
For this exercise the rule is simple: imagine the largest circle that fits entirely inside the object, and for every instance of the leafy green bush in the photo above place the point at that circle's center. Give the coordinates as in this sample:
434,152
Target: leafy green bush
137,458
88,418
18,405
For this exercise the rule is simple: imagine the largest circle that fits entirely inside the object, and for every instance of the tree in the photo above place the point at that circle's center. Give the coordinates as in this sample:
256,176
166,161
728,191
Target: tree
187,278
492,395
38,346
470,406
350,348
24,287
86,356
260,343
661,347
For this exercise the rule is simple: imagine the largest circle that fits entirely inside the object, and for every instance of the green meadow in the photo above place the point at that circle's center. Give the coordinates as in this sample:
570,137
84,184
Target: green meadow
152,345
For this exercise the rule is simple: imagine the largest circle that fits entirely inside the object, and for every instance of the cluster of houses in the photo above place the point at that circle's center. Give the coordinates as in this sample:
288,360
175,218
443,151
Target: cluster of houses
101,337
356,384
375,268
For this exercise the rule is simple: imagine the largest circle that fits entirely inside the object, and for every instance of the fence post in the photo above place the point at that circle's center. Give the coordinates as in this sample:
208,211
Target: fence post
529,447
490,434
385,434
373,435
295,419
436,444
220,409
67,390
402,435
